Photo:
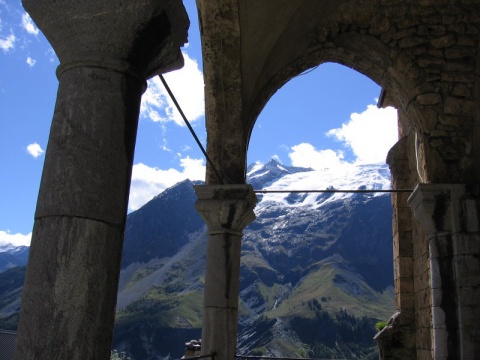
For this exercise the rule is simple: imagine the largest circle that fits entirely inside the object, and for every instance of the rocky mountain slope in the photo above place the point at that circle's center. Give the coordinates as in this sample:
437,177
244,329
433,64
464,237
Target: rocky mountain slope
316,274
316,270
12,256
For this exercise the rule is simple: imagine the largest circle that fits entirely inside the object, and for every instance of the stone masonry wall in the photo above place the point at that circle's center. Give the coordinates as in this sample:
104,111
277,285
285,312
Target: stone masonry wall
424,56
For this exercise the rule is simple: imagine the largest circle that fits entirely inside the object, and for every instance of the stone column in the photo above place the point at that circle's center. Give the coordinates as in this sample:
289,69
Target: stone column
397,340
227,210
106,50
449,215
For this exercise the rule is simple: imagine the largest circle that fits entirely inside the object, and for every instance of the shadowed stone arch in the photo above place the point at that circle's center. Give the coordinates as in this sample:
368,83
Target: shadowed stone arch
424,56
361,53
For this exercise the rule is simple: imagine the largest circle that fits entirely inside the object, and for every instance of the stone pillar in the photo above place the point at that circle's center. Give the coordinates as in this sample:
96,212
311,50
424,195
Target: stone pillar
227,210
397,340
106,50
449,215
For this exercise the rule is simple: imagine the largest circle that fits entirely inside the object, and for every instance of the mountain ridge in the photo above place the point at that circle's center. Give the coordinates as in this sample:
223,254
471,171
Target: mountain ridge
300,267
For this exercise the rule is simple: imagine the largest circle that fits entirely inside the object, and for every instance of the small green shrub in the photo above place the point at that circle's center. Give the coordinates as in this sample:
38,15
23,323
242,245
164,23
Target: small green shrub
380,325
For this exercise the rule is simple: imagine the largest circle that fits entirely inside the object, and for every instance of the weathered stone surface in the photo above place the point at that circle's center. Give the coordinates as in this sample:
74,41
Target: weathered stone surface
444,41
71,288
106,50
429,99
227,210
458,106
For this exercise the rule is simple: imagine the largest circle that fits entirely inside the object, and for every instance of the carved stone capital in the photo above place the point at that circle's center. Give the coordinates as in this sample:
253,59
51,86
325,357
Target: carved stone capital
226,208
142,36
437,207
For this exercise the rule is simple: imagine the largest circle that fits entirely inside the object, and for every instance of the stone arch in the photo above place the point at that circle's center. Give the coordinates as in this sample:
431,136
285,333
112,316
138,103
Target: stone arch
424,54
372,60
415,50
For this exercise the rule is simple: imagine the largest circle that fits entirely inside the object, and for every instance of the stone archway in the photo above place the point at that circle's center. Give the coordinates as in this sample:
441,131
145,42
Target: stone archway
424,55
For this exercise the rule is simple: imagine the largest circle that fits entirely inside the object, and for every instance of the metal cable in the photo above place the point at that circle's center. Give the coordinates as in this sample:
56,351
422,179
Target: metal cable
251,357
261,191
190,127
334,191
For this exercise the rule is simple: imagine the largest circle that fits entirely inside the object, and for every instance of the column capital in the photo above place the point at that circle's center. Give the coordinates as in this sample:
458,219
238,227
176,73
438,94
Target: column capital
143,37
437,207
226,208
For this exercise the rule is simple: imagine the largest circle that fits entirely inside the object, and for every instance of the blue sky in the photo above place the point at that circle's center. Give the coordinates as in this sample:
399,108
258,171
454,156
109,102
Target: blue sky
326,118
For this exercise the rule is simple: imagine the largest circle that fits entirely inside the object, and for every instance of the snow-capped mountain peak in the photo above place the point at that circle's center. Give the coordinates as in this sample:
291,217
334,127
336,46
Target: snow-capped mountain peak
259,175
274,176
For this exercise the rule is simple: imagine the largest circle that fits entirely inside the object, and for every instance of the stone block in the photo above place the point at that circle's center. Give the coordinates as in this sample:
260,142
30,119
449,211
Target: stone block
432,30
429,99
458,106
467,270
404,285
466,244
464,40
405,247
470,213
438,318
432,19
460,52
411,41
418,50
450,121
444,41
457,27
462,66
418,267
404,33
407,302
461,91
427,2
423,341
435,274
402,199
424,354
423,319
470,297
403,267
437,53
404,218
429,61
422,298
418,282
457,77
469,317
437,295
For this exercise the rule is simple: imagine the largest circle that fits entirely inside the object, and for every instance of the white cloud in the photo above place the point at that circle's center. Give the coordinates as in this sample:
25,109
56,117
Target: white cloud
305,155
187,87
50,53
31,62
148,182
369,134
7,43
35,150
15,239
28,24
